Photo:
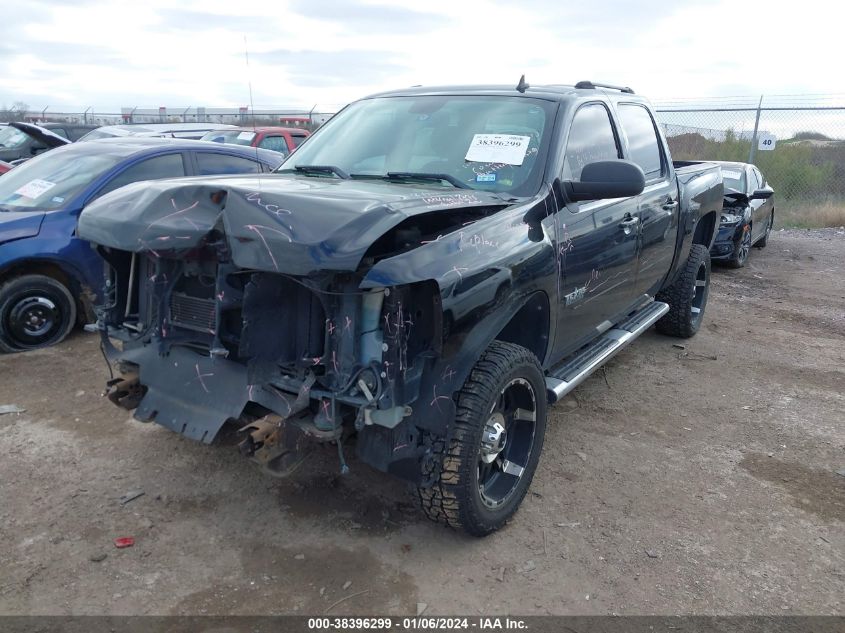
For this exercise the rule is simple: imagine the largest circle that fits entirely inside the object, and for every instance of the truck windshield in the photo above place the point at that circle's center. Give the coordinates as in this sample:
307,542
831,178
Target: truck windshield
48,181
489,143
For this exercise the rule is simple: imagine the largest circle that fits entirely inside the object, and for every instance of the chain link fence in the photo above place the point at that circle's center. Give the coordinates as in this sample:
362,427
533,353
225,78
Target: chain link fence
308,118
799,149
798,142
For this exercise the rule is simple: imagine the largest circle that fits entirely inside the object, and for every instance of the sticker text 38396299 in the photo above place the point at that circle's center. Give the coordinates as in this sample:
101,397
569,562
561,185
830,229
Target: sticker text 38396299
509,149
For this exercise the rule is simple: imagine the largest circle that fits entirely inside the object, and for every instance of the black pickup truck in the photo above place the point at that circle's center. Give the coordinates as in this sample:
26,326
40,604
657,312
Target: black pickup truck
421,279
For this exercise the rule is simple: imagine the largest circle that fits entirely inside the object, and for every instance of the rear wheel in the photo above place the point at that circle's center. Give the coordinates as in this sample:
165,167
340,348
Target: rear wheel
498,436
761,243
35,311
687,297
742,249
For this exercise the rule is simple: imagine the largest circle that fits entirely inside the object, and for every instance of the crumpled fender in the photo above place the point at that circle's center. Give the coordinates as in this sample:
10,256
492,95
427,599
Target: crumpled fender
489,242
511,268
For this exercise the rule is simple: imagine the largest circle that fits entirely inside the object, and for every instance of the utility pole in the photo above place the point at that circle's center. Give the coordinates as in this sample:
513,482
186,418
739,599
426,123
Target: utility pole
754,137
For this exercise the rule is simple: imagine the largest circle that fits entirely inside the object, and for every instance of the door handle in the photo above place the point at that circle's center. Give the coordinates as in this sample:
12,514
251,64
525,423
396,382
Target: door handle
629,222
670,205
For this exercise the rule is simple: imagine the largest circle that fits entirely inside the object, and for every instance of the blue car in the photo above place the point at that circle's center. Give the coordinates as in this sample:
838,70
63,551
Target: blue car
48,276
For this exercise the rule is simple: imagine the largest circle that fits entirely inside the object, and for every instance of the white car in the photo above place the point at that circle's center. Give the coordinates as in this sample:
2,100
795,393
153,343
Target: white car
174,130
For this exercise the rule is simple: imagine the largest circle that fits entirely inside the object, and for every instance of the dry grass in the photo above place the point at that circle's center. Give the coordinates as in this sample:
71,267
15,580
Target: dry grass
810,215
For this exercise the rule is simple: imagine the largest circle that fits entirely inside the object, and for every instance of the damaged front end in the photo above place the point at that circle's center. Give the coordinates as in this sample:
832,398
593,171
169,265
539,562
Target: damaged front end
294,359
208,327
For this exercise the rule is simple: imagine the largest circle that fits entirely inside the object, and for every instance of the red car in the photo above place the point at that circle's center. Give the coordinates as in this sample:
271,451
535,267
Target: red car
279,139
4,167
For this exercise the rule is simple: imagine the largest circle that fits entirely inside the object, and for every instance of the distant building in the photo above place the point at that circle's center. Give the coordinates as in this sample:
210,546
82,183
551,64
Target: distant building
294,117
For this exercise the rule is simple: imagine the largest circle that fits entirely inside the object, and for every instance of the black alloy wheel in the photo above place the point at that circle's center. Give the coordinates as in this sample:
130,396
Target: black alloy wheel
506,443
687,296
496,443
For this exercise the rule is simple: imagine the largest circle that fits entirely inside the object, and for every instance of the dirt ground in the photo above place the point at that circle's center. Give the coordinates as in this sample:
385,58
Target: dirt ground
699,480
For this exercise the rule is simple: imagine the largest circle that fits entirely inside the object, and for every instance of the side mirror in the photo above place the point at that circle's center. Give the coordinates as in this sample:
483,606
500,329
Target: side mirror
607,179
761,194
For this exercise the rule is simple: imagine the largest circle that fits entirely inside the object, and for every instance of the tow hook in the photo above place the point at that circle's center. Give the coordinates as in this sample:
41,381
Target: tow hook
277,445
125,391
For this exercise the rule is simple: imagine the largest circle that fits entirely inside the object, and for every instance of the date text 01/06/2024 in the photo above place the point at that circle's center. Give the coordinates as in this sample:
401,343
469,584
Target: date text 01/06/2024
416,624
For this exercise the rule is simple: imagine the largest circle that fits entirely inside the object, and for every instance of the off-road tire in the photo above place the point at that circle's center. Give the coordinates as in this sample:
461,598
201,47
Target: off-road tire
763,241
455,499
681,320
18,292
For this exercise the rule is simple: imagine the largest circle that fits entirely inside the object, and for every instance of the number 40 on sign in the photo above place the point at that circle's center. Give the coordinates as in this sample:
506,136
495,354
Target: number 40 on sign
766,142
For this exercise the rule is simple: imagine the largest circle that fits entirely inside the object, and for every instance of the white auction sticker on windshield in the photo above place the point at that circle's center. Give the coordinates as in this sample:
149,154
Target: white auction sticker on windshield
34,188
246,136
733,175
508,149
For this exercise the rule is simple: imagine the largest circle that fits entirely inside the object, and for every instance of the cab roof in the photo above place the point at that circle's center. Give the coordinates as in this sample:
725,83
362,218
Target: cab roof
551,92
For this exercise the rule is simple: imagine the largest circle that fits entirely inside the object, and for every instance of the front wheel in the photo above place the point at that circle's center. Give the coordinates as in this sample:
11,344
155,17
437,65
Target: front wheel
35,311
742,249
687,297
496,444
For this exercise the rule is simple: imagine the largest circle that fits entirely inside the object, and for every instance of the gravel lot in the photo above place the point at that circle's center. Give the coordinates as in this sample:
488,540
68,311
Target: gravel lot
699,480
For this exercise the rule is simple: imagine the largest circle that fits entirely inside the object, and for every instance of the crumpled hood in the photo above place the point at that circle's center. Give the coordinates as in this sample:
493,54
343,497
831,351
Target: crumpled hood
735,197
18,225
41,134
279,223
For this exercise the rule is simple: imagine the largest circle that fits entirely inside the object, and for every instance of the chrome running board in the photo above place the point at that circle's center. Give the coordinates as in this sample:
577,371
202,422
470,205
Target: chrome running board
575,369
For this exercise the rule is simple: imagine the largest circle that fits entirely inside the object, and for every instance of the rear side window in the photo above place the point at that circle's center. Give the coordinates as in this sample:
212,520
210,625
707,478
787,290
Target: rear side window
275,143
167,166
60,131
297,139
643,142
211,164
591,139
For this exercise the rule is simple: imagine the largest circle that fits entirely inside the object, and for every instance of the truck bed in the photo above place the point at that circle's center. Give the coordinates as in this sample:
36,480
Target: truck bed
685,168
701,190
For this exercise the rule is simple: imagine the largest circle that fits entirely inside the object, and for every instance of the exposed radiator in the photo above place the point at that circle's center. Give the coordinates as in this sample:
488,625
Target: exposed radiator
192,313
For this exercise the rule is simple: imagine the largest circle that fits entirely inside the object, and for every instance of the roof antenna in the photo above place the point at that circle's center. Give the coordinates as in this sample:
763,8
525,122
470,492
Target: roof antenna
522,86
251,103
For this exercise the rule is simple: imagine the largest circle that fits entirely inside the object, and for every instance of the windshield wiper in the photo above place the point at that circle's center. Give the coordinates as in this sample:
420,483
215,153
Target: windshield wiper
324,169
417,175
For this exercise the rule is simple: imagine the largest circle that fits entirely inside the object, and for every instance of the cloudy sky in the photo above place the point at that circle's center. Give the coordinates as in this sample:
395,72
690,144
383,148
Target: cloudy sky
76,53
